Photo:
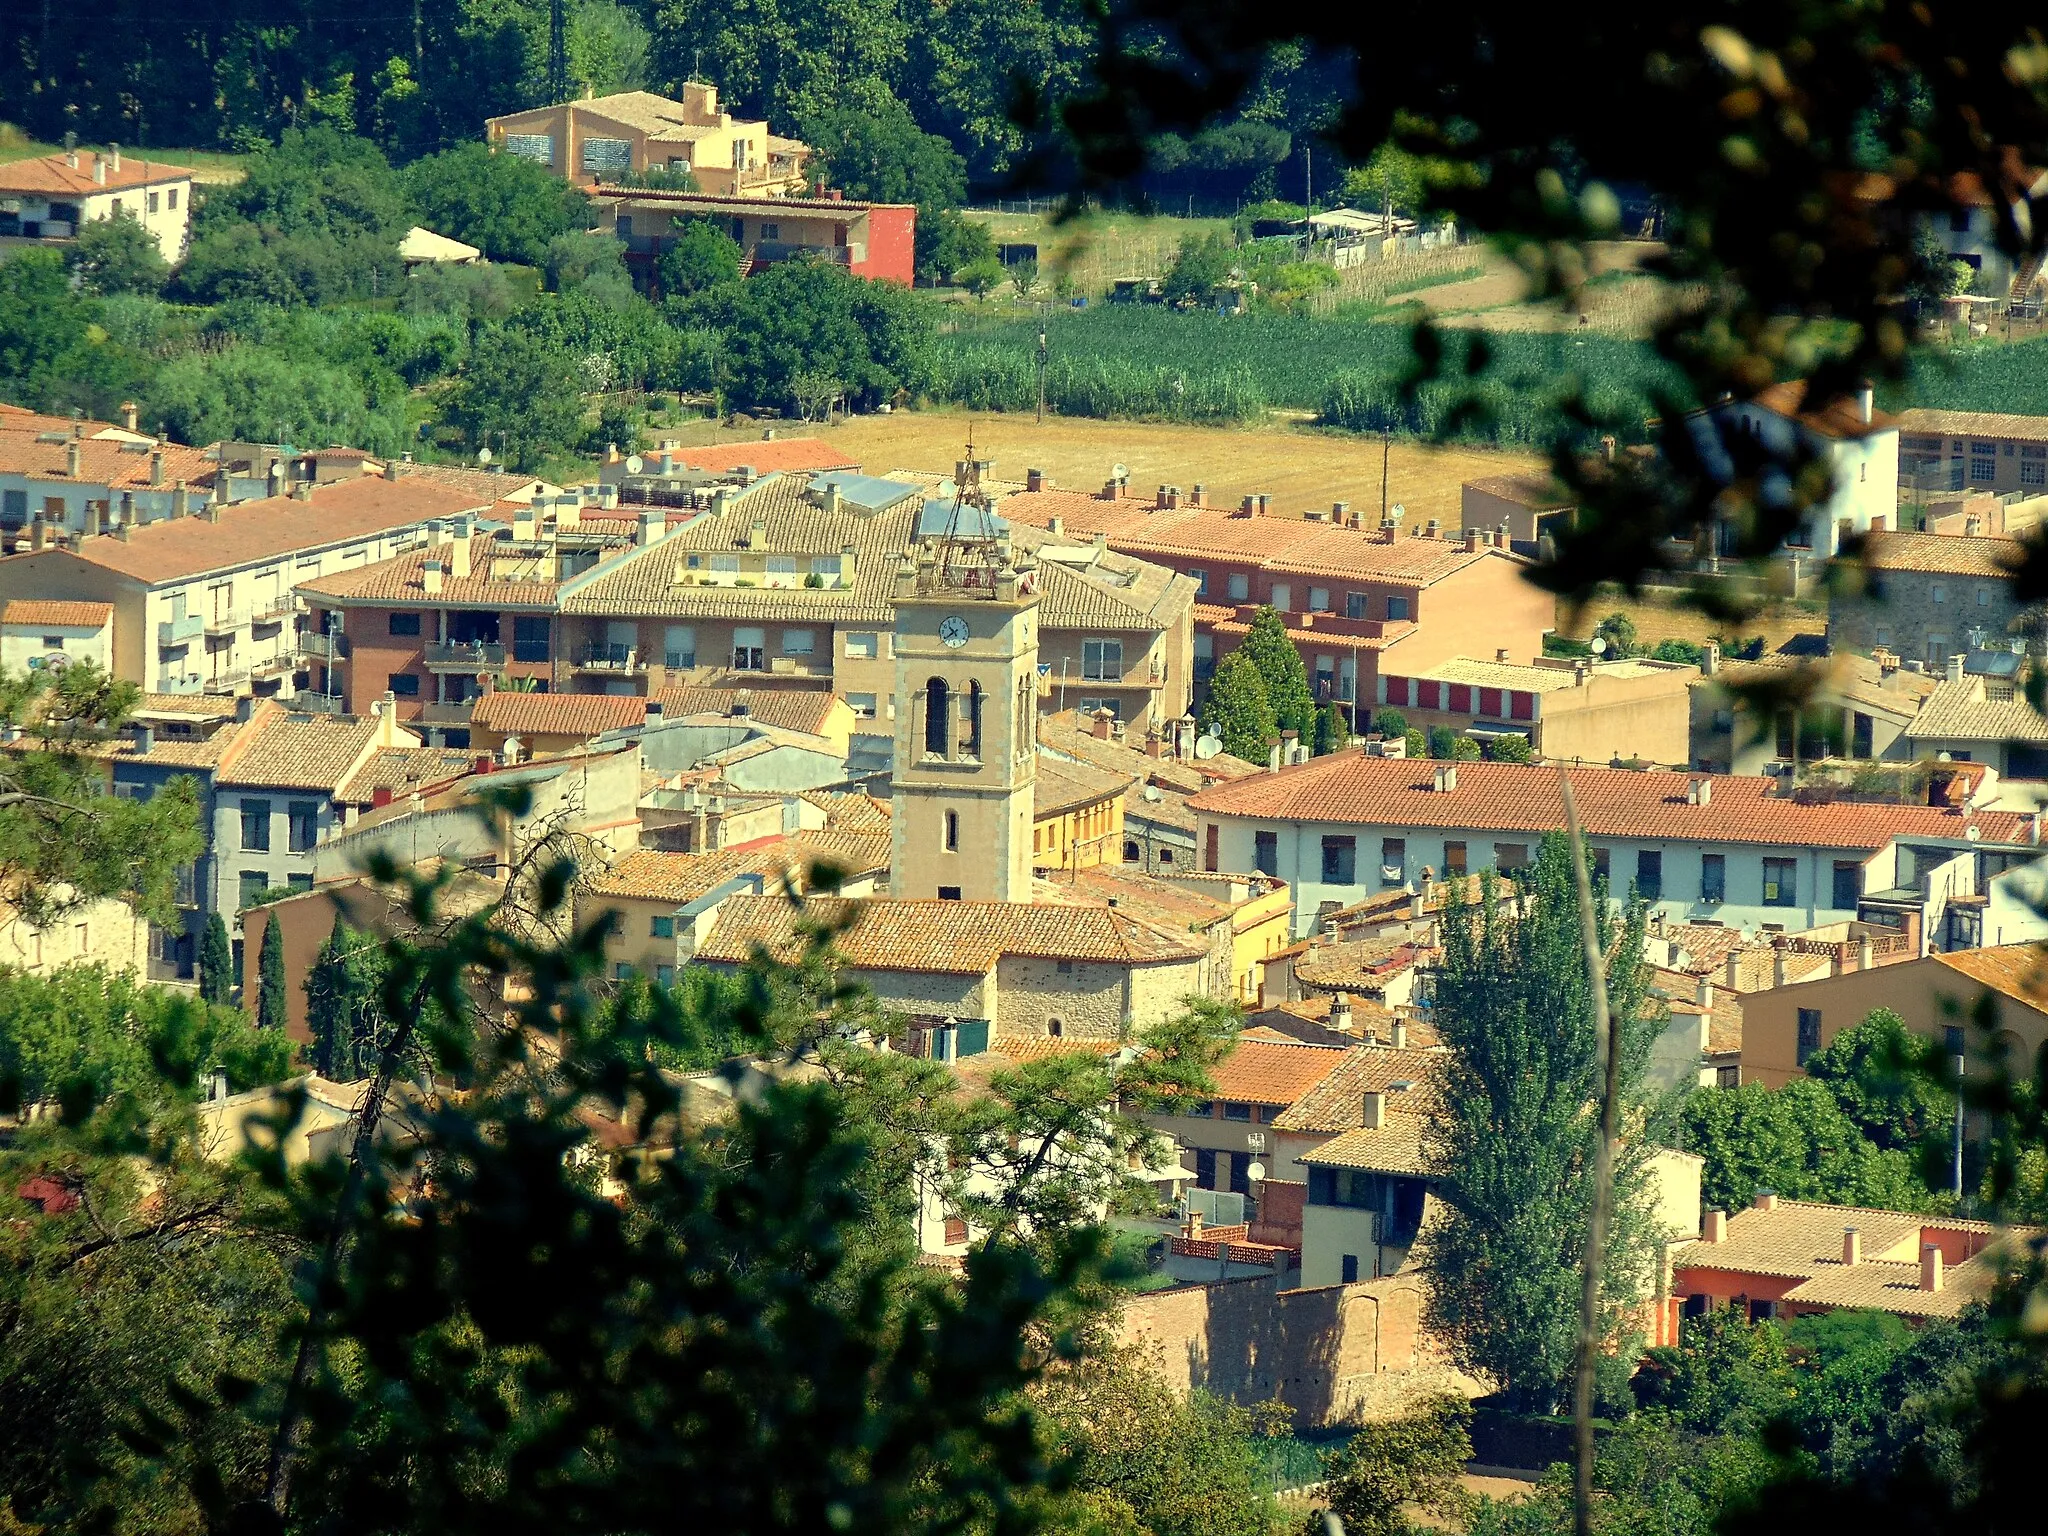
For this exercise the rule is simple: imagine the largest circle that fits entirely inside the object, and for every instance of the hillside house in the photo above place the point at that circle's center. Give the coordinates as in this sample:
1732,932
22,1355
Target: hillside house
1927,596
877,240
52,197
602,138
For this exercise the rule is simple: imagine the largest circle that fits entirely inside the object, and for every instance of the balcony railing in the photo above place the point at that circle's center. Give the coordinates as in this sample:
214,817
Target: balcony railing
177,631
466,655
609,658
307,702
230,681
332,647
226,620
450,713
281,606
270,666
188,683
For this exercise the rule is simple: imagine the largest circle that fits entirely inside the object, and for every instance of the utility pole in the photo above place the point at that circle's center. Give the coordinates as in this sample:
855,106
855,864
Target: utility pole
1041,363
1386,453
1955,1046
1308,190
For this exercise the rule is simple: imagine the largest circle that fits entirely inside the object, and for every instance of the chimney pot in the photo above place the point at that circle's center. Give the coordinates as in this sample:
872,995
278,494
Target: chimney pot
1446,778
1373,1109
1034,481
1199,496
1931,1267
1398,1039
1852,1247
1766,1200
114,164
129,414
1715,1229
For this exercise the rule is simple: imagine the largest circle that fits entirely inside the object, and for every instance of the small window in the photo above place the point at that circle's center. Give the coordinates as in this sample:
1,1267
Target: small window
661,927
952,893
298,882
781,565
1102,661
1938,592
1282,596
256,826
530,638
1510,856
1240,588
861,646
955,1231
1454,860
1201,579
1650,874
1064,967
53,642
171,198
799,642
1713,877
1354,605
664,975
405,624
1237,1111
254,883
403,684
1781,882
1809,1033
952,831
1131,854
1350,1269
1266,852
862,705
1397,607
1318,599
302,825
1340,860
153,202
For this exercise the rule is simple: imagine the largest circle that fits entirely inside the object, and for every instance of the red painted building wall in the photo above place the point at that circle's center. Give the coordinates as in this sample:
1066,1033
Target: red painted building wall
892,243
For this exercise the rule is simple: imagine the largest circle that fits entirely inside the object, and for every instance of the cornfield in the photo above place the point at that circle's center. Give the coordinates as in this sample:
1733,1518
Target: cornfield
1984,376
1149,362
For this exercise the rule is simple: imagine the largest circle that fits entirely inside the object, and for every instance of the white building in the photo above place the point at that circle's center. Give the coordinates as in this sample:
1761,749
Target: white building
1858,443
50,636
1699,846
49,198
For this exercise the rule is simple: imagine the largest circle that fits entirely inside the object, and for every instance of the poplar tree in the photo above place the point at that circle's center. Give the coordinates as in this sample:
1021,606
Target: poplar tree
270,996
216,961
1511,1154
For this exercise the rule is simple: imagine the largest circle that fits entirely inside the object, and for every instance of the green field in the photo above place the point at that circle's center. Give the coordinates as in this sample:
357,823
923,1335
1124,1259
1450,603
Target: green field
1980,376
1147,361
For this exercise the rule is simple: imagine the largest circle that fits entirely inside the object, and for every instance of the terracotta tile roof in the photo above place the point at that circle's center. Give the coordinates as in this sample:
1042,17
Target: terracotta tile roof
202,706
1961,712
1840,417
1707,946
55,174
1184,902
1855,679
652,875
279,750
1273,1072
510,713
764,457
2017,971
1307,1019
1089,588
1349,787
1942,554
404,769
503,575
789,709
251,532
1533,491
857,811
1535,678
2033,429
947,937
1798,1240
1324,630
1356,965
1063,786
488,487
28,612
1017,1048
116,464
1394,1147
1337,1103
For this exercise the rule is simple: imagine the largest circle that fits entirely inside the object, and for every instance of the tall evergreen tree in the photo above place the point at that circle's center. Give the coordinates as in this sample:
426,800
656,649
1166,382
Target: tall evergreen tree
1512,1153
216,962
1268,648
343,1013
1238,709
270,996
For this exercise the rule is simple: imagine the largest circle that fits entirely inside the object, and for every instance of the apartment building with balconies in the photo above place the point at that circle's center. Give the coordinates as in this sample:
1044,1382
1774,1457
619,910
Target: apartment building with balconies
1357,602
204,603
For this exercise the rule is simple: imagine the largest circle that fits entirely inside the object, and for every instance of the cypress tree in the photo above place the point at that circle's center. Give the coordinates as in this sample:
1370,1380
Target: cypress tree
1267,647
1238,709
270,996
1511,1155
216,962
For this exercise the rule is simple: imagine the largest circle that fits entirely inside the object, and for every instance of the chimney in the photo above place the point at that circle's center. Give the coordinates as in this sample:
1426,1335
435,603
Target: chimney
1866,409
1373,1109
1160,500
1249,507
1955,665
1715,1228
1471,541
302,490
1398,1039
145,739
128,414
1110,488
1446,778
1340,512
1704,994
1852,1247
220,485
391,469
1340,1012
1199,496
180,500
71,156
1501,655
1710,658
1057,527
1273,759
1101,725
1766,1200
114,165
430,577
213,507
457,556
72,459
652,525
245,709
1931,1266
525,524
1699,791
1432,529
1388,528
38,533
1034,481
99,170
1265,504
1777,967
1731,970
156,465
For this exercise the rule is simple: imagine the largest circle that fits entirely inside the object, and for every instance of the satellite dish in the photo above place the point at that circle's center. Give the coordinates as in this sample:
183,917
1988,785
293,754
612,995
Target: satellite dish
1973,832
57,661
1120,471
947,488
1599,645
483,455
1256,1173
635,464
1207,747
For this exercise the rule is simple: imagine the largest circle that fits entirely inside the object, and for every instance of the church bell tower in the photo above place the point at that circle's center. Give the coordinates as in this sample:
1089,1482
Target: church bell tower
966,637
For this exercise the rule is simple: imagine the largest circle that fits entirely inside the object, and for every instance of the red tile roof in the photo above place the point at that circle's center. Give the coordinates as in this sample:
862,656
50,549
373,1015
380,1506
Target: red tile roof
54,173
1261,1071
250,532
510,713
1612,802
1942,554
111,462
1840,417
59,615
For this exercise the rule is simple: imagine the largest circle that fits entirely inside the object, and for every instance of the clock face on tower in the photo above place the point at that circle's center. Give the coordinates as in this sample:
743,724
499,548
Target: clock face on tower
953,630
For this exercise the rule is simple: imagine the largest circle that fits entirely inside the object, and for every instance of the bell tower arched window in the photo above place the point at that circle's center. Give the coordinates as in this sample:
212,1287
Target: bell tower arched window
937,736
974,720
